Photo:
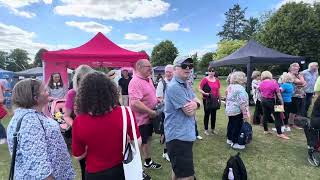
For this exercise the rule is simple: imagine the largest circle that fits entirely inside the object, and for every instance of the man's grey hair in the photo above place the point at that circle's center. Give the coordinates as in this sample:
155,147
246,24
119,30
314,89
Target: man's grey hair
312,64
168,67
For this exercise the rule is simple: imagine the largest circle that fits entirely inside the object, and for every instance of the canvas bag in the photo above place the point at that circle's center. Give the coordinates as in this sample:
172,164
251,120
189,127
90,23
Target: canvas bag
132,164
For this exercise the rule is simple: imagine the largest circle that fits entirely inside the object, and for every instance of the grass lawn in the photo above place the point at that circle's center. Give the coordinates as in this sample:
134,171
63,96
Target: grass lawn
267,157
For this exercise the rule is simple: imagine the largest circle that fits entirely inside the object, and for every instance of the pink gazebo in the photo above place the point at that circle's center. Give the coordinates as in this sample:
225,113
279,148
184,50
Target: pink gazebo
98,52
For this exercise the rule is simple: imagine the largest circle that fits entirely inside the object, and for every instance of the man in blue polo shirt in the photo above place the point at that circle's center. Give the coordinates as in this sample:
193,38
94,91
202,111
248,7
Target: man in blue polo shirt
179,124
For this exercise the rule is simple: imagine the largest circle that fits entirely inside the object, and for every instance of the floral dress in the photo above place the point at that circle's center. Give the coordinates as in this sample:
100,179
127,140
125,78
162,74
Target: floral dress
41,150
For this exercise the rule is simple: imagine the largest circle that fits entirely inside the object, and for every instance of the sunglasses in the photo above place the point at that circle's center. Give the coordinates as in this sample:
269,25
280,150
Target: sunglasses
186,65
211,71
33,83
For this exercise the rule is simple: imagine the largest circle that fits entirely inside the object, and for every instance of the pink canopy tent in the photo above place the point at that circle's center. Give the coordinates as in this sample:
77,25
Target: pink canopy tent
98,52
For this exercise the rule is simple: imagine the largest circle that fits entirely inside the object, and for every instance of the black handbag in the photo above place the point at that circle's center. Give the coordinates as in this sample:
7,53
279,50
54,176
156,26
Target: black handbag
15,143
211,102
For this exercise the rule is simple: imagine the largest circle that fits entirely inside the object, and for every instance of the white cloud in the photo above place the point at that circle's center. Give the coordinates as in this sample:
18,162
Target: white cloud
138,47
25,14
15,6
204,49
173,27
297,1
112,9
92,27
135,37
13,37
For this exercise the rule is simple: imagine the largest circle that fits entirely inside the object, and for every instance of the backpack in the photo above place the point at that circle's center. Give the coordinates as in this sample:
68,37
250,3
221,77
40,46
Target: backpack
235,169
246,133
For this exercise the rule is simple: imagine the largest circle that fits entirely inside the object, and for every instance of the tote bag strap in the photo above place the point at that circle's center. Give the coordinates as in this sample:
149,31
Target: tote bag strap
134,130
124,129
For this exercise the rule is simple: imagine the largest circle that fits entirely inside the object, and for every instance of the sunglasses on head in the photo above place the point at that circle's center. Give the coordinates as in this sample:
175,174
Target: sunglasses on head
186,65
33,81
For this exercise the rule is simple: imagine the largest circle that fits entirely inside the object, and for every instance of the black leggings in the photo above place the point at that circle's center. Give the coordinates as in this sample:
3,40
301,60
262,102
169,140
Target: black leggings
268,109
234,127
257,113
206,117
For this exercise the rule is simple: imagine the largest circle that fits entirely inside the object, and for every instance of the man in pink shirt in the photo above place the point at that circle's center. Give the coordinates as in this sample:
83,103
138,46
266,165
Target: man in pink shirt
142,100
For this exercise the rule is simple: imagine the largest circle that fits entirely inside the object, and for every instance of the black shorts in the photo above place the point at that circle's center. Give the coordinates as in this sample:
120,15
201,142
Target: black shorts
297,105
181,157
146,131
115,172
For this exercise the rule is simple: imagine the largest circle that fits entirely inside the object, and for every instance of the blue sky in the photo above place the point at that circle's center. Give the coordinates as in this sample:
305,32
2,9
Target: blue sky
192,25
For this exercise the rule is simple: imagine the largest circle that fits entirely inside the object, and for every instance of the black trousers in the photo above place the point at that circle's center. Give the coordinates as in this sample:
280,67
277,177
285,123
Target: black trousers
257,113
307,103
196,126
2,131
268,109
234,127
114,173
207,113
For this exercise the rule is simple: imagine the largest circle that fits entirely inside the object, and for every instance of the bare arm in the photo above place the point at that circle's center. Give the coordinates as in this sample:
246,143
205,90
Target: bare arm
143,108
67,116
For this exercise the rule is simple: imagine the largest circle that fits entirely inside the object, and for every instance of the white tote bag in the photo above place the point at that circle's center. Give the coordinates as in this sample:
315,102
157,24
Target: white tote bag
132,170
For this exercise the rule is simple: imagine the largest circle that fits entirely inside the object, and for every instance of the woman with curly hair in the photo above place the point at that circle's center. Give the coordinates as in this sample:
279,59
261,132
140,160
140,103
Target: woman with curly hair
97,130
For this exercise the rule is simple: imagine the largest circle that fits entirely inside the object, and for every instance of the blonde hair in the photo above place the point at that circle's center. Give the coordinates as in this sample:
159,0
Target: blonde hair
312,64
286,77
266,75
238,77
255,74
80,72
294,65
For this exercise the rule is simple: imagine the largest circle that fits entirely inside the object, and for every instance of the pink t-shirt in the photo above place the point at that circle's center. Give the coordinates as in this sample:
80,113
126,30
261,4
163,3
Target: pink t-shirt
142,89
215,86
70,99
268,88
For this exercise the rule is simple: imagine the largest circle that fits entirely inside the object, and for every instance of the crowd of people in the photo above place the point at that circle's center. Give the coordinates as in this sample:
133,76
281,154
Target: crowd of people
92,110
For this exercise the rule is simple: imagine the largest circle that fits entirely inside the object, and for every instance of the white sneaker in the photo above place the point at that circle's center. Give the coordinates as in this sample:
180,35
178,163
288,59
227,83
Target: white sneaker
288,129
229,142
3,141
199,137
238,146
206,133
282,129
166,156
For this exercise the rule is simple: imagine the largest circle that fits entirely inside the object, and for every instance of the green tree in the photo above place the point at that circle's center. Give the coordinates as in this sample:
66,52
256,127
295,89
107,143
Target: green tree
195,60
18,60
250,28
234,24
205,61
37,59
164,53
3,59
294,29
227,47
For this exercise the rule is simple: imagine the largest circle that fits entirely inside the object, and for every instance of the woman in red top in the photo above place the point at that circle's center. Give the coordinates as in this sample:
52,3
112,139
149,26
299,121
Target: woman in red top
97,129
210,88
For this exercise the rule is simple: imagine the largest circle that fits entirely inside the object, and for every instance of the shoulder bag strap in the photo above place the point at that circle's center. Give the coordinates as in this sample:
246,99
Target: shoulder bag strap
133,126
14,149
124,129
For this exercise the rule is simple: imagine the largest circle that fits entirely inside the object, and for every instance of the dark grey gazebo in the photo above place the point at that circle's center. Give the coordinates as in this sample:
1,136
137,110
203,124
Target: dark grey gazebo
253,54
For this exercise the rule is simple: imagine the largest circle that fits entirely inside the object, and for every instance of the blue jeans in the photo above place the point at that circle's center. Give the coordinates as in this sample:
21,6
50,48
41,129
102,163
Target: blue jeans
2,132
